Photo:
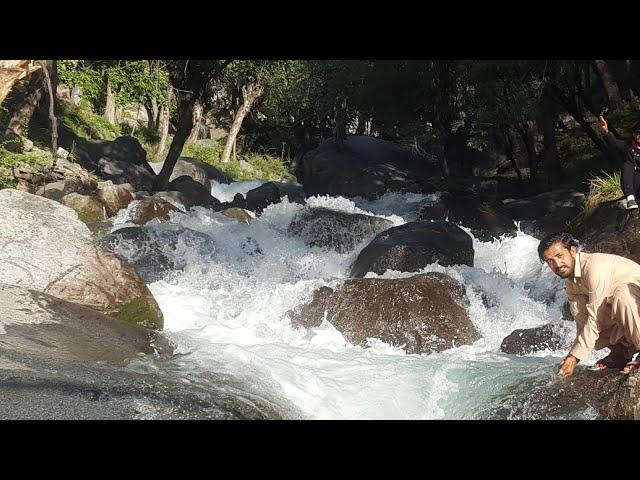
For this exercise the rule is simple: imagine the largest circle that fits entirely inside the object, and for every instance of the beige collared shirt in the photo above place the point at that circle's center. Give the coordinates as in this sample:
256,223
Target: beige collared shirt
596,277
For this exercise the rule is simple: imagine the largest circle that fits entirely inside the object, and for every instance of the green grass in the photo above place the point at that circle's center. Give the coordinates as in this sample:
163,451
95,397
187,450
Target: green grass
602,189
263,166
85,123
9,160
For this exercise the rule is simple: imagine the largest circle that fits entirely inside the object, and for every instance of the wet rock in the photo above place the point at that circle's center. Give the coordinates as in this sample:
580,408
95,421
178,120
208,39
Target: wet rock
530,340
422,314
412,246
193,193
367,167
46,248
238,213
115,197
156,251
149,208
261,197
89,209
340,231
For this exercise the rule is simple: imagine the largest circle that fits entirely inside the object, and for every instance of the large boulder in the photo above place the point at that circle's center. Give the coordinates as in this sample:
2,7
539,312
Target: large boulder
212,172
122,160
341,231
41,325
483,218
412,246
603,395
421,314
58,189
293,191
191,170
538,206
46,248
60,360
367,167
119,171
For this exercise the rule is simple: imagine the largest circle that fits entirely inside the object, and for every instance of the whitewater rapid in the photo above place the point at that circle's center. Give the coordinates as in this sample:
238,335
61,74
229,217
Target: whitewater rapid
226,312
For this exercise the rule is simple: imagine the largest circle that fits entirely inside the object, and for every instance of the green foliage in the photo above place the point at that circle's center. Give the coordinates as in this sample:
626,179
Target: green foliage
10,160
138,81
86,124
130,80
625,117
139,312
84,74
603,188
579,158
145,135
260,166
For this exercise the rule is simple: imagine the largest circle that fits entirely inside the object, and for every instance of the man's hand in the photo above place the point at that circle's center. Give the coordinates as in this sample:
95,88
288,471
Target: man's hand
603,124
567,366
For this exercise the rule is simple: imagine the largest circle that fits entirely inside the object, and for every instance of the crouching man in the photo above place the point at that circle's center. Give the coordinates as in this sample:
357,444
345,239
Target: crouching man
604,296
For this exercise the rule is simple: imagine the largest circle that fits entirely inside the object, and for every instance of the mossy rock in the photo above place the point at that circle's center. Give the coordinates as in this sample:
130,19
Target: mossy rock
139,311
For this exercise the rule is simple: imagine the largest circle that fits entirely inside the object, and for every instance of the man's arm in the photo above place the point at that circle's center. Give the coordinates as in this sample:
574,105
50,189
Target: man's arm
578,307
587,312
609,137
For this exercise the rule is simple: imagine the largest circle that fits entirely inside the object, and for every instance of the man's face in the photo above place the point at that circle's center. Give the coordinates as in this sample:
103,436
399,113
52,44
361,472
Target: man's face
561,260
635,138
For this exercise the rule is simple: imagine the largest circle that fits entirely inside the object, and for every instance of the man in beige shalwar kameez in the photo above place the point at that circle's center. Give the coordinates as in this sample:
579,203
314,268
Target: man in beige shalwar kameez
604,296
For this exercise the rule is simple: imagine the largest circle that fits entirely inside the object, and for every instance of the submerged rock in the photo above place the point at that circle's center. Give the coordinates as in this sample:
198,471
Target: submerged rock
340,231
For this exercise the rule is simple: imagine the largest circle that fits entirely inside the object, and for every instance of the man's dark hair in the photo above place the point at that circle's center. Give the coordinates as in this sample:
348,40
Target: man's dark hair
566,239
636,128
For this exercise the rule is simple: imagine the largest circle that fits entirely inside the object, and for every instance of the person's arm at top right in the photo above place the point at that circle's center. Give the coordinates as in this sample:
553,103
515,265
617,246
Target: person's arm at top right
609,137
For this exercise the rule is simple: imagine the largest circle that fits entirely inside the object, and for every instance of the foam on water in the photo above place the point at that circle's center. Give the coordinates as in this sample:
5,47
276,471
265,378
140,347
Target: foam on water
227,312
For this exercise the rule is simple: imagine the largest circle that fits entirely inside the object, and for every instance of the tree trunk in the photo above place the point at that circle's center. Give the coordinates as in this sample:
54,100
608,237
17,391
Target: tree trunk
110,107
552,166
250,93
164,123
609,84
571,106
151,106
49,68
340,132
196,76
186,105
525,135
197,117
508,144
23,101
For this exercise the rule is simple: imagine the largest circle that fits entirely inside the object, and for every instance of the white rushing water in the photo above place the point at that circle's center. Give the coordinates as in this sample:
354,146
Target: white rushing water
226,312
